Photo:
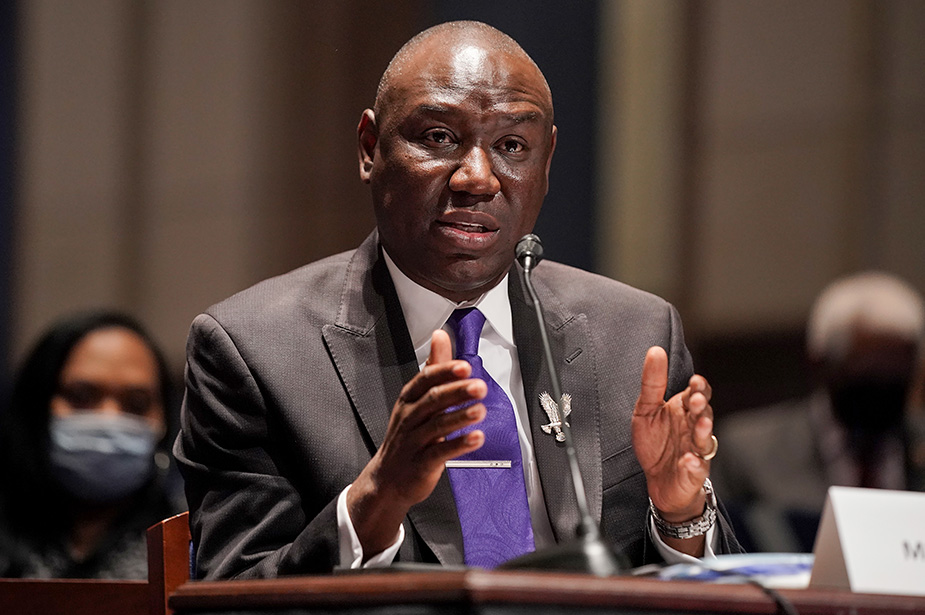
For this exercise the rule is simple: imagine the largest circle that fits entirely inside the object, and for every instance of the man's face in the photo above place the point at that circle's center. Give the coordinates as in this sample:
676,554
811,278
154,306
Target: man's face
870,386
458,163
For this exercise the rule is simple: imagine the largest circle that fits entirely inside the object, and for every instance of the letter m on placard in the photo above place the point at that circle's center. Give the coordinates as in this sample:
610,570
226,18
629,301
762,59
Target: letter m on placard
914,551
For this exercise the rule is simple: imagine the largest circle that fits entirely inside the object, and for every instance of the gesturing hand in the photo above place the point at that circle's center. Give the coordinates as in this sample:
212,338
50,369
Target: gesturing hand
669,438
406,468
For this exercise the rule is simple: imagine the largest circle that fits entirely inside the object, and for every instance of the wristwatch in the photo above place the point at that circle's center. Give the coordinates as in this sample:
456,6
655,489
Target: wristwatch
693,527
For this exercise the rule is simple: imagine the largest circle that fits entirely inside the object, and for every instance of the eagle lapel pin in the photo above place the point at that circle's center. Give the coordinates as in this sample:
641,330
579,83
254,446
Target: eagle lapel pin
555,418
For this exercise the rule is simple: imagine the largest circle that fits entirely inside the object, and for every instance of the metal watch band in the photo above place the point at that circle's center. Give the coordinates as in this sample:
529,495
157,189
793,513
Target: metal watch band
694,527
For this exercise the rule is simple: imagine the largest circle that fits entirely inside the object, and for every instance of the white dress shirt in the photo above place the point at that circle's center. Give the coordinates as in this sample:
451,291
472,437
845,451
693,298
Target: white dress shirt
425,311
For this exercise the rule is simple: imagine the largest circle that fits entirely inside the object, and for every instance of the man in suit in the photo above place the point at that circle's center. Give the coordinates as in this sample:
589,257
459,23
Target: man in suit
862,425
323,406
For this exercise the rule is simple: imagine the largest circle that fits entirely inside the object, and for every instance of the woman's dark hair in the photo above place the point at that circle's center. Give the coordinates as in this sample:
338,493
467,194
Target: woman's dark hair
31,499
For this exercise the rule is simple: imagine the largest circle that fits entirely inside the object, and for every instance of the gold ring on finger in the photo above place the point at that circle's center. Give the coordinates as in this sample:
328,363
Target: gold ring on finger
712,453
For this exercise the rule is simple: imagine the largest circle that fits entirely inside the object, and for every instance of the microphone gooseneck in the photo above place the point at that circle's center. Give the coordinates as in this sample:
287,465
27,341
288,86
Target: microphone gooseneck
589,554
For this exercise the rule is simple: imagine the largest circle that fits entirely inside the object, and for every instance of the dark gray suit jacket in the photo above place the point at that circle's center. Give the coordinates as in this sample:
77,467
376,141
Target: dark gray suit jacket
290,385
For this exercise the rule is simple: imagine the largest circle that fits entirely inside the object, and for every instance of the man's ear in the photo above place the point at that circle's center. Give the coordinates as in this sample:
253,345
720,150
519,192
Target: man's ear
367,137
552,150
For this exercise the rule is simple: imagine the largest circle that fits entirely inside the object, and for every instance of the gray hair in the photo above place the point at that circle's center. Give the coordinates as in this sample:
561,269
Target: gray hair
872,300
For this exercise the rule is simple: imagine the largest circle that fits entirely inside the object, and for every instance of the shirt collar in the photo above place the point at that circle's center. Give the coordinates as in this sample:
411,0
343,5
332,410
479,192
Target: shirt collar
425,311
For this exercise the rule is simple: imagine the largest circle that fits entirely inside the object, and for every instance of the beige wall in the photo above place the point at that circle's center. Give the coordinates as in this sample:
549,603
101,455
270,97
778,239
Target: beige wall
780,143
174,152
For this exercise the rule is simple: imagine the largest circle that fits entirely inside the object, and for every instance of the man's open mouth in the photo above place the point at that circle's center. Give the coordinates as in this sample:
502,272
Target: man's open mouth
468,228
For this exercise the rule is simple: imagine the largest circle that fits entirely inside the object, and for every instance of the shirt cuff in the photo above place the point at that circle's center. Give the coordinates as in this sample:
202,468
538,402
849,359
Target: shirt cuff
351,551
672,556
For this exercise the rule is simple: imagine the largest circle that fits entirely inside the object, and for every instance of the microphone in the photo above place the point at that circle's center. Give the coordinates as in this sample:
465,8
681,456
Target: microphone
588,553
529,251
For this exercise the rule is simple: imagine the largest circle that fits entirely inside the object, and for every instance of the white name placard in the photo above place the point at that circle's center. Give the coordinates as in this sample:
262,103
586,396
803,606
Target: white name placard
871,541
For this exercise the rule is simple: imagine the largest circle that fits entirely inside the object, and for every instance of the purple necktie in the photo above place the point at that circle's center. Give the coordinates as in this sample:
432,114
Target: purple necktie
491,501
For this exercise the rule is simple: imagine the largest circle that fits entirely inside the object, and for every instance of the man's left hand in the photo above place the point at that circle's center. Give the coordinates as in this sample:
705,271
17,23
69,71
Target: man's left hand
670,437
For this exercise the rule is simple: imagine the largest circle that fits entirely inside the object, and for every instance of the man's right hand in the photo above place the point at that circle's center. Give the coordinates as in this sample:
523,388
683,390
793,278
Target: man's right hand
406,468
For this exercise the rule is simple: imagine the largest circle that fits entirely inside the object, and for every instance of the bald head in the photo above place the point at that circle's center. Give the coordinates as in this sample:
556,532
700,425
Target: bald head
454,39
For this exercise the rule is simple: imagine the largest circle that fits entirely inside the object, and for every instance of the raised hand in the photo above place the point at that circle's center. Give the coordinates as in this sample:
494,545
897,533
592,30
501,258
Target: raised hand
671,438
406,468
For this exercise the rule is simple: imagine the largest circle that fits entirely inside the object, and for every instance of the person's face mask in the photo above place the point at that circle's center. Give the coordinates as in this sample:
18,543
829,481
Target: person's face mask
870,407
870,384
99,457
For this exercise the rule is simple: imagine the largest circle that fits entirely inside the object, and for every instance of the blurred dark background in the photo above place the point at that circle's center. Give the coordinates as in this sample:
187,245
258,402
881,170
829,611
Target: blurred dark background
731,156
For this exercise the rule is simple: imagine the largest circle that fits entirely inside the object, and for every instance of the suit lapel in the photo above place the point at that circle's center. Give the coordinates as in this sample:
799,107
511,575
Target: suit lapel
372,351
571,348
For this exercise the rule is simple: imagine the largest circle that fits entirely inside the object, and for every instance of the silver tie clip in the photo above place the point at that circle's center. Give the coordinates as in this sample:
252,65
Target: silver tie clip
477,463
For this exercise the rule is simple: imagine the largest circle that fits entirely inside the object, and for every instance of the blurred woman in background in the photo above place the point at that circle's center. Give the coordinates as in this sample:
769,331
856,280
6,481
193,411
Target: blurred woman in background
84,452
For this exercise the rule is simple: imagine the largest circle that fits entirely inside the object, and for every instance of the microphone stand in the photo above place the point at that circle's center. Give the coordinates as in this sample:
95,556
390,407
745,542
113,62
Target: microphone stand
587,553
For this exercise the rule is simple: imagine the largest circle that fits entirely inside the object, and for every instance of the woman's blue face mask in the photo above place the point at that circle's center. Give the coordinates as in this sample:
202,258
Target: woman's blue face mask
99,457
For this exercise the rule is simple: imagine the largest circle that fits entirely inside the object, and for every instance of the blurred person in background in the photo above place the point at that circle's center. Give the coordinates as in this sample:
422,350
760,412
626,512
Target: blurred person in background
83,452
862,426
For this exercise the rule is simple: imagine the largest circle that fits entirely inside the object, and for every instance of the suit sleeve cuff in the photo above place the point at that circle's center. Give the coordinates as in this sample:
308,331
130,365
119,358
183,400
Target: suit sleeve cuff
351,551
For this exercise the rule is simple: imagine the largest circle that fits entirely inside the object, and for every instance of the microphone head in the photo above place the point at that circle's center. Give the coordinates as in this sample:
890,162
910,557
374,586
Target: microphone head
529,251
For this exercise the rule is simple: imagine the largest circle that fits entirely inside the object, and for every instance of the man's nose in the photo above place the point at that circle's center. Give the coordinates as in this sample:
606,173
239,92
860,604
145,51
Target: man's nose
109,405
475,174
